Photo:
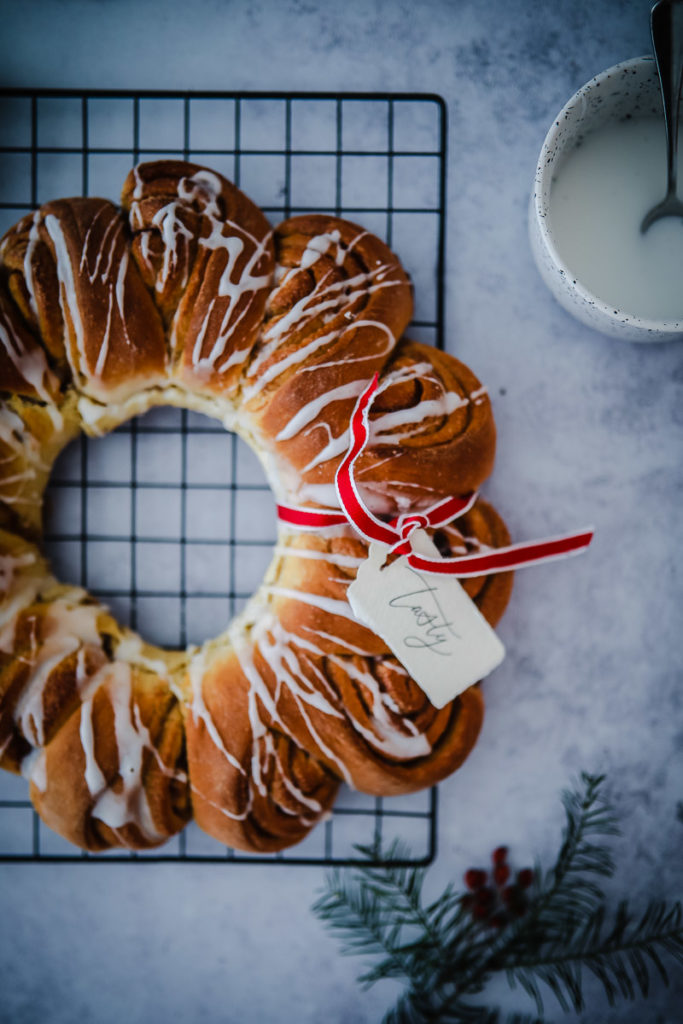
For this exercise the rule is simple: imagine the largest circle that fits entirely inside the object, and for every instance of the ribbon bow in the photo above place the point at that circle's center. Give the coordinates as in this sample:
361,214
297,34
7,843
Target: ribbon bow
396,533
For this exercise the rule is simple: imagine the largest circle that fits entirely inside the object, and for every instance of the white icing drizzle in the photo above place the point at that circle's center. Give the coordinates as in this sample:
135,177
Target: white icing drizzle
33,238
247,283
414,416
68,298
327,604
69,626
344,561
81,669
275,645
116,291
277,653
132,739
24,595
28,711
351,648
473,544
335,445
308,412
203,189
32,366
257,688
66,627
92,773
128,804
346,359
139,183
292,659
377,325
384,735
326,301
15,436
330,296
201,713
261,380
306,801
437,407
101,253
318,246
324,495
221,808
130,649
387,738
34,768
283,662
103,261
171,229
283,653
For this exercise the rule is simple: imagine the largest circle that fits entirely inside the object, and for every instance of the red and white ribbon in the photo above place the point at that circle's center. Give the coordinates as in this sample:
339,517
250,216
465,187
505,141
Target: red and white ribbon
396,534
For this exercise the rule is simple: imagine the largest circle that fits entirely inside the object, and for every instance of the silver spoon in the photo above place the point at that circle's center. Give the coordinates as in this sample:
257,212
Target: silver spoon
666,22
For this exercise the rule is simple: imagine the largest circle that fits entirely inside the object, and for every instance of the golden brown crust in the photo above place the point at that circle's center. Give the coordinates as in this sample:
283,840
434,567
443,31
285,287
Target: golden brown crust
432,431
187,290
31,273
252,786
206,252
31,435
114,774
334,317
479,529
368,721
335,686
24,368
71,271
308,597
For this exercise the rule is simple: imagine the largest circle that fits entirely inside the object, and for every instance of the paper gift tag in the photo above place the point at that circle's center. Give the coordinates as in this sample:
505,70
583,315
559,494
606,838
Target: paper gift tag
434,629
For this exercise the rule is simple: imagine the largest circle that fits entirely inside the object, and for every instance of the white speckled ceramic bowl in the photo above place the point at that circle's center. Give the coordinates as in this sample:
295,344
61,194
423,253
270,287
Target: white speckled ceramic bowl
630,88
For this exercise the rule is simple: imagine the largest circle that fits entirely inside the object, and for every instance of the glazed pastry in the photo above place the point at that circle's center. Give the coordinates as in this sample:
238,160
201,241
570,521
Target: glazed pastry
185,296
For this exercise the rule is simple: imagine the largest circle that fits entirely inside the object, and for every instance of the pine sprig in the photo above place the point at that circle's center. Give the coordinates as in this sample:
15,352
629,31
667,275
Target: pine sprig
616,954
446,955
567,887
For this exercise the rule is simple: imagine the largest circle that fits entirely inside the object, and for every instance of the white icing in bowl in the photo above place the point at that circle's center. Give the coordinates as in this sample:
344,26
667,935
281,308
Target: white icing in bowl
627,89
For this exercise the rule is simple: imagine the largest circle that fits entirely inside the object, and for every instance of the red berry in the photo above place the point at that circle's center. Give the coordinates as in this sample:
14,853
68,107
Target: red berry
499,855
480,913
501,873
475,878
524,878
509,894
519,907
498,920
485,897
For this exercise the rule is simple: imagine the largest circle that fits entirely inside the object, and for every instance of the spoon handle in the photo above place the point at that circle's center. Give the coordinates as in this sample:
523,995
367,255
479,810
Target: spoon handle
666,23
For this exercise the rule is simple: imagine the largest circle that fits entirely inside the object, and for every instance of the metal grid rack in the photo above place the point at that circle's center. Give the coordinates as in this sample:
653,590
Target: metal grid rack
170,510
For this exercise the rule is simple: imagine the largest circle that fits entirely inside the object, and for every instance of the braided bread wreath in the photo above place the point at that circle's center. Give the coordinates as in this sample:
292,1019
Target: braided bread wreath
185,296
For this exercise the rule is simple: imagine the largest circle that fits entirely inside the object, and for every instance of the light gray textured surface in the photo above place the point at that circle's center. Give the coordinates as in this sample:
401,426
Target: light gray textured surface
589,431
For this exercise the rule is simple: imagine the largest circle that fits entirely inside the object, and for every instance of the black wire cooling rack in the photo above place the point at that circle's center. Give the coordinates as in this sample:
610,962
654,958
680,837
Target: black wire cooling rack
170,510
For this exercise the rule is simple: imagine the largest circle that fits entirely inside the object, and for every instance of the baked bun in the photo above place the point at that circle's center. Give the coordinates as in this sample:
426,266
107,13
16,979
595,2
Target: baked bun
186,296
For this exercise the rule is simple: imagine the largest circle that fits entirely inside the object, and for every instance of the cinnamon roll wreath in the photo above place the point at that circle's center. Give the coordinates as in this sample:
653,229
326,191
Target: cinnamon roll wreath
186,296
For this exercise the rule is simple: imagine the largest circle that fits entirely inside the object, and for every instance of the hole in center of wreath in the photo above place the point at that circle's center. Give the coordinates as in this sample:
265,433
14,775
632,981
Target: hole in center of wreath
168,520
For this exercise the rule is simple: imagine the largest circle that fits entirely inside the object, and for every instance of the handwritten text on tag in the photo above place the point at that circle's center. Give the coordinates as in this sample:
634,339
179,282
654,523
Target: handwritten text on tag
427,620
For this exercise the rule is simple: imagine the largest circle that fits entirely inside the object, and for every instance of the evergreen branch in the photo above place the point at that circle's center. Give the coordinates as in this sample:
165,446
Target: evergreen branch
564,894
566,891
617,958
446,951
411,1009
